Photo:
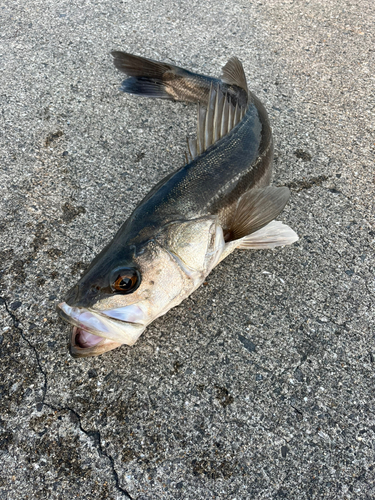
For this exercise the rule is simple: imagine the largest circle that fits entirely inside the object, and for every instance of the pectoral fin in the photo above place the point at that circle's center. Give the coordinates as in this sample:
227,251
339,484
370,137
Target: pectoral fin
254,210
252,224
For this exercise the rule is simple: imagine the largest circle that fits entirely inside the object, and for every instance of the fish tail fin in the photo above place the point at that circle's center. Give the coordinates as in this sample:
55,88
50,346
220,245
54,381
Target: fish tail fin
144,87
151,78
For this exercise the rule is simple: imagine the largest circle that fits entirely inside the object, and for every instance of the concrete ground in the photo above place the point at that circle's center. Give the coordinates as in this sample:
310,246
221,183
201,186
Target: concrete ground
261,384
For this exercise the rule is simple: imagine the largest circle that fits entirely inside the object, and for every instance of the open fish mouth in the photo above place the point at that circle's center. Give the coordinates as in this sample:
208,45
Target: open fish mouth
84,344
95,332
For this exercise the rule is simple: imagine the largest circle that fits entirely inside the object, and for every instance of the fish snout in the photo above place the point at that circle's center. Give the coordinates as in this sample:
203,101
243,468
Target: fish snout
72,295
80,296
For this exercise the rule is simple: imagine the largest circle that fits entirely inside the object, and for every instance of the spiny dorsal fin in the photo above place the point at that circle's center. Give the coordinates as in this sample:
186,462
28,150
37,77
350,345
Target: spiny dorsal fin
214,122
191,152
233,73
208,122
218,113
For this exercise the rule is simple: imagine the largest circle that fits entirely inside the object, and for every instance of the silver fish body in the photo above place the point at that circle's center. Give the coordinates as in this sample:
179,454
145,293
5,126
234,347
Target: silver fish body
218,201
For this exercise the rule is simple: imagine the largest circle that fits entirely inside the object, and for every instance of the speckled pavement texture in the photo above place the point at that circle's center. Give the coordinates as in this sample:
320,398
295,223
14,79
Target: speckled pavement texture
261,384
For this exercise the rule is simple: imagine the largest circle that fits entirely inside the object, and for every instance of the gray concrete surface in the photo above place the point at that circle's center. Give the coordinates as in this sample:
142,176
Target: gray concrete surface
261,384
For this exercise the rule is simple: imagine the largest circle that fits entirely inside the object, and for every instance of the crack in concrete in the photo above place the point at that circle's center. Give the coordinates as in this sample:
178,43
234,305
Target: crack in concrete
94,435
16,322
96,438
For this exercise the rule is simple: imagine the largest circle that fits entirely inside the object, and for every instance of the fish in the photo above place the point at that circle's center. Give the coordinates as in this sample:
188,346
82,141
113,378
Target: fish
220,199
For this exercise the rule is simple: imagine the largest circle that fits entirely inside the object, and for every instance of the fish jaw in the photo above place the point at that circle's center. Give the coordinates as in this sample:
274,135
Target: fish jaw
83,344
94,332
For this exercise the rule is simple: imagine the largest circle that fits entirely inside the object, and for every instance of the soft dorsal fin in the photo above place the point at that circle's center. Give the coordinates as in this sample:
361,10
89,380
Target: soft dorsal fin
215,121
233,73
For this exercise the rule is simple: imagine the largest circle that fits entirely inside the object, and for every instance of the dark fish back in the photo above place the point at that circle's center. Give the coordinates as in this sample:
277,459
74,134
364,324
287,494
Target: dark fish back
215,179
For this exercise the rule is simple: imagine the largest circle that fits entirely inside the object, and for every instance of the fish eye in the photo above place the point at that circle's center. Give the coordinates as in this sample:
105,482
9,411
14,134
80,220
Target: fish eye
125,280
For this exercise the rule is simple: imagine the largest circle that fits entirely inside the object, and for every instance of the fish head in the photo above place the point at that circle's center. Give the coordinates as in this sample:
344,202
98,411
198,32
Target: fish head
129,286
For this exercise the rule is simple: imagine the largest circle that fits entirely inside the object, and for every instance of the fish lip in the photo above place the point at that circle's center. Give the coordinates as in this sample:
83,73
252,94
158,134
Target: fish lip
63,315
84,352
106,344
